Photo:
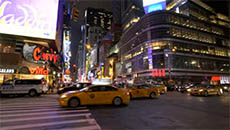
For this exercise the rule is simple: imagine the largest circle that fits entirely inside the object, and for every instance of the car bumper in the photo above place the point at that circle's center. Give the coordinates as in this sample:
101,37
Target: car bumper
126,99
197,93
63,102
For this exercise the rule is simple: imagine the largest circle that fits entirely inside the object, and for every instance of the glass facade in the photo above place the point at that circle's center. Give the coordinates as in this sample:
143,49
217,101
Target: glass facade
175,42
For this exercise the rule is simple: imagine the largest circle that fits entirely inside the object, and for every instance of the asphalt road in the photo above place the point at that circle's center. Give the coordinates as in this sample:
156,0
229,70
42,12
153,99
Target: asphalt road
170,111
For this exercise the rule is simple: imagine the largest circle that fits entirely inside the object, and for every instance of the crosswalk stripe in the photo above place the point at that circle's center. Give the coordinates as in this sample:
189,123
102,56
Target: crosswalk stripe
94,127
42,109
41,113
30,126
42,118
28,104
33,106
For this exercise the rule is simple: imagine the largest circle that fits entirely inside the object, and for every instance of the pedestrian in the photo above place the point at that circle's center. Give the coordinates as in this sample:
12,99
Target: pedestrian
52,87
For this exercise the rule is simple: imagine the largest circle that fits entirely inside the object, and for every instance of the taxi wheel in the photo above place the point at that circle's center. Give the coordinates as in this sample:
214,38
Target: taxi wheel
74,102
32,93
205,93
152,95
117,101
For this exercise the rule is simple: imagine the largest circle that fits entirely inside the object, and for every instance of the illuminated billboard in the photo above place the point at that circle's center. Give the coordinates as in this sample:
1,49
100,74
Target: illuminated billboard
154,5
32,18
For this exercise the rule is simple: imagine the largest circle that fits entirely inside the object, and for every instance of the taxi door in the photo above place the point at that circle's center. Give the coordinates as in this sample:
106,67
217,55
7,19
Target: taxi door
109,94
135,91
145,90
142,90
211,89
95,95
215,90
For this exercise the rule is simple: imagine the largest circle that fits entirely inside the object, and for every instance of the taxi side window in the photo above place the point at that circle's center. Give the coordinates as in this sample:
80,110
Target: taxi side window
108,88
145,86
211,86
95,89
139,87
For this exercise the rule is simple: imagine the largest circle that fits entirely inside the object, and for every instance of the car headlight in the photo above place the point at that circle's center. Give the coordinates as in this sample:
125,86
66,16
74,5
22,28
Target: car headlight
189,90
225,87
60,89
201,90
221,91
63,96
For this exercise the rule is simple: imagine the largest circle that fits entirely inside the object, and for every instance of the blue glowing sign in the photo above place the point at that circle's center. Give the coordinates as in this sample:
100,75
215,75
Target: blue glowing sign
155,7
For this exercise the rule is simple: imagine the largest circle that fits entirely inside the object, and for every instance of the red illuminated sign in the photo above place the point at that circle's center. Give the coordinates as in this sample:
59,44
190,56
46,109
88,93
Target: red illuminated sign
215,78
39,71
158,73
38,54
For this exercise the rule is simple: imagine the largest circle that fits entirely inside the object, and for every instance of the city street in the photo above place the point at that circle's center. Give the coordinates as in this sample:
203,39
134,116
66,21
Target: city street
43,113
170,111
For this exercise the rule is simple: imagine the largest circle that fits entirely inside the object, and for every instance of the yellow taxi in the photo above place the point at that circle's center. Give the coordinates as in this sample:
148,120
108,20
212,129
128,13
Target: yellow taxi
206,90
143,90
95,94
161,88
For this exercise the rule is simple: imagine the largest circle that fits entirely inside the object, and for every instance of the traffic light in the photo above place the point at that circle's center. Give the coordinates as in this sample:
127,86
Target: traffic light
75,15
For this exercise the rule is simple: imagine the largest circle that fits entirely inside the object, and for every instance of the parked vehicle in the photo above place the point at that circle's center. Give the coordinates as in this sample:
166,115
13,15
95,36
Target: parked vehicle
32,87
95,94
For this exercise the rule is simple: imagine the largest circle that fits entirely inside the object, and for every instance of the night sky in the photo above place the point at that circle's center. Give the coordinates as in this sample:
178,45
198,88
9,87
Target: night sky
220,6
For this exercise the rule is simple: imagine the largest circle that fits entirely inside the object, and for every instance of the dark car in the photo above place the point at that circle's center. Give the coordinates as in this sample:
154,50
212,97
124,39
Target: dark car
76,86
225,87
170,87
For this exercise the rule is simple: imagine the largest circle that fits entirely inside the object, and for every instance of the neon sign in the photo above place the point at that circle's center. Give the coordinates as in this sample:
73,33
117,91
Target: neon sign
7,70
38,54
158,73
39,71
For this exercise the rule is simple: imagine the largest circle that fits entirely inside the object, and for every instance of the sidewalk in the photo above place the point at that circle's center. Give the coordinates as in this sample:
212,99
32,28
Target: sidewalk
54,91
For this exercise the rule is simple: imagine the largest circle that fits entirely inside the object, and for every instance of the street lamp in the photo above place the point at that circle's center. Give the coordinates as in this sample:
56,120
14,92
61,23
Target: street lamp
88,46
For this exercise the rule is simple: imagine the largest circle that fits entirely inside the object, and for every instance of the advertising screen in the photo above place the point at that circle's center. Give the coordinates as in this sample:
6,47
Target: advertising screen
32,18
154,5
150,2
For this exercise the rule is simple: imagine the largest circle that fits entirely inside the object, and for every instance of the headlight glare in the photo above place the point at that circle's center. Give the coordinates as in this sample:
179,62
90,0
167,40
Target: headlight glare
63,96
201,90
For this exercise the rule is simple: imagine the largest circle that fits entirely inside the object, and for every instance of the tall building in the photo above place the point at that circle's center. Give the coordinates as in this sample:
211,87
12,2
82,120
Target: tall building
96,23
188,41
132,11
126,13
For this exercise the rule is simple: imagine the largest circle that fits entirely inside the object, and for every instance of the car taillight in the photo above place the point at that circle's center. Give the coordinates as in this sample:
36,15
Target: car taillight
43,83
127,93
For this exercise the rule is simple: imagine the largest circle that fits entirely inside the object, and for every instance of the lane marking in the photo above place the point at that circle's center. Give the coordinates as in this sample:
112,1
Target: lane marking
94,127
32,126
